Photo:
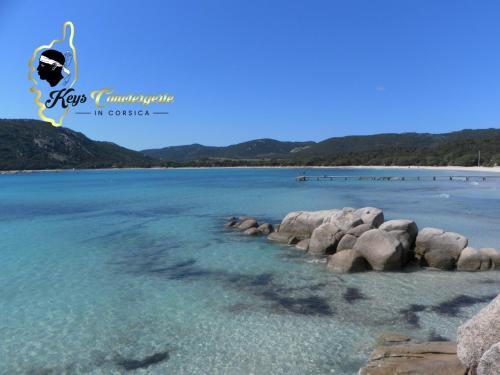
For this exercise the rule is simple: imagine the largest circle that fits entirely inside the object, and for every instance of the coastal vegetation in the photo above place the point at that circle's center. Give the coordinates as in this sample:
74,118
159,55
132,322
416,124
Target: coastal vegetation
33,144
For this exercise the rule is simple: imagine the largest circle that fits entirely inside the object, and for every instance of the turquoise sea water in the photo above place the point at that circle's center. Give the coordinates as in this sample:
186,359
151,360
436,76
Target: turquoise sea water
112,272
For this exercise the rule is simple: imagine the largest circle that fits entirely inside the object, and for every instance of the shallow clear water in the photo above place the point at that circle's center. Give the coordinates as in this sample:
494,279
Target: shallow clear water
101,268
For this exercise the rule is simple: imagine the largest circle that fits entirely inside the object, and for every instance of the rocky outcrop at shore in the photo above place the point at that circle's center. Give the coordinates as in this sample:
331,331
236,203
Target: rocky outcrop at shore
427,358
371,243
477,351
359,240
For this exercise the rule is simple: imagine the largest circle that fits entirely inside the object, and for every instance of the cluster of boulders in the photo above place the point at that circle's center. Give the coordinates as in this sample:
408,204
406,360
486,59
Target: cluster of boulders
249,226
359,239
476,352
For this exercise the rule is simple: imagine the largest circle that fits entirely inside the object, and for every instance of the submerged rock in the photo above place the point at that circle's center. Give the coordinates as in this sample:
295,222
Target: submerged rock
382,250
439,249
347,261
479,333
325,238
473,260
428,358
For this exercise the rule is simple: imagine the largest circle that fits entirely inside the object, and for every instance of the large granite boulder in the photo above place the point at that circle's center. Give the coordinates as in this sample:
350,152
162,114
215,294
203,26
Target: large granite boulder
478,334
493,254
344,219
348,241
371,216
302,223
439,249
406,232
381,249
473,260
325,238
427,358
347,261
282,237
489,364
247,224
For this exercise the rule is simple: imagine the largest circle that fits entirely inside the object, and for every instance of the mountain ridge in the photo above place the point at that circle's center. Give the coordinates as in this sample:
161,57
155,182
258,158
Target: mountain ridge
33,144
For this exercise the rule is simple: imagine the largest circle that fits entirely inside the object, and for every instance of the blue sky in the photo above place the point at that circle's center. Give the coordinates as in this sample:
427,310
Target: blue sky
289,70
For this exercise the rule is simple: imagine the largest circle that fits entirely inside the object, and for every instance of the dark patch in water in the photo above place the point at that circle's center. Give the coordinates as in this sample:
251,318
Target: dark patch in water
352,295
176,267
135,364
415,307
452,307
488,282
312,305
411,317
238,307
434,336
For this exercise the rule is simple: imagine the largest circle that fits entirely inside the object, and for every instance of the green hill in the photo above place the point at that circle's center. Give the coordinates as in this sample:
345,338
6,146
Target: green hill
256,149
456,148
33,144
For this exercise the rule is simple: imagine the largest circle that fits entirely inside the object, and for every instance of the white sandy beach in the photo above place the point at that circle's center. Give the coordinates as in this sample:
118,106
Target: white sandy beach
447,168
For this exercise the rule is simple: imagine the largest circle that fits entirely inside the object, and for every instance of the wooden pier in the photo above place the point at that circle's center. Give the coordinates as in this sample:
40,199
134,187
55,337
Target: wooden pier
304,178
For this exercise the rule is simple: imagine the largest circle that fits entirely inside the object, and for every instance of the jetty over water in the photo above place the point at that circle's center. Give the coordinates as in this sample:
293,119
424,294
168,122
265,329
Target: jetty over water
304,178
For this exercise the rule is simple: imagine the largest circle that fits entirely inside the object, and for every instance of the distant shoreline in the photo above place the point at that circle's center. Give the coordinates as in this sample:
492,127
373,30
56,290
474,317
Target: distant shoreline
446,168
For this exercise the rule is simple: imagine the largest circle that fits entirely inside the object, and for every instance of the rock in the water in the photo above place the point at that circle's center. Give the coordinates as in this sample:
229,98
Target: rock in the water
348,241
493,254
344,219
428,358
302,223
325,238
243,218
371,216
246,224
381,249
252,231
439,249
347,261
406,232
479,333
489,364
303,245
473,260
392,337
283,237
266,228
231,223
